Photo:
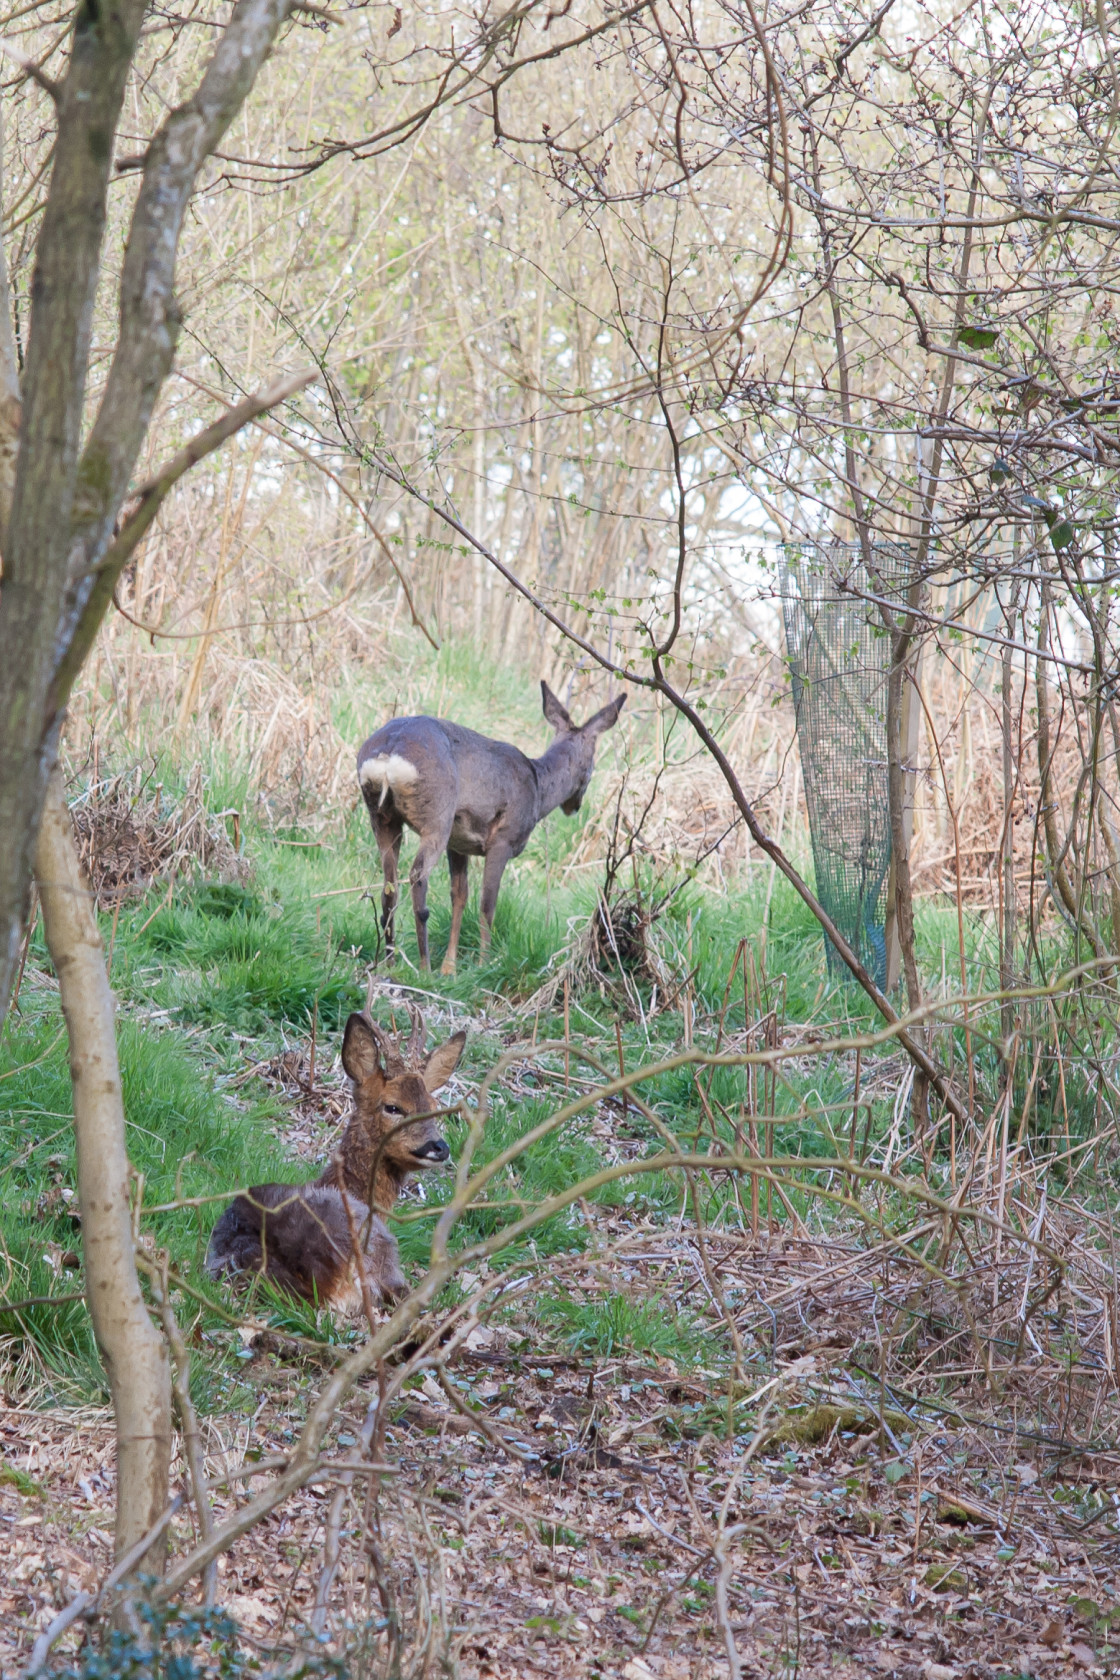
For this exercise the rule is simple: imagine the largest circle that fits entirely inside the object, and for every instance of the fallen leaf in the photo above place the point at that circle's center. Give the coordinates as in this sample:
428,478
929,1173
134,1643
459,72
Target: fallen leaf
805,1366
252,1611
636,1669
938,1671
1083,1655
1052,1634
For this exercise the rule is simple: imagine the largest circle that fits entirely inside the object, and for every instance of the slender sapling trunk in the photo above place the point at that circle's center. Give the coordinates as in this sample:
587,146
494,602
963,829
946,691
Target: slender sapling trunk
132,1348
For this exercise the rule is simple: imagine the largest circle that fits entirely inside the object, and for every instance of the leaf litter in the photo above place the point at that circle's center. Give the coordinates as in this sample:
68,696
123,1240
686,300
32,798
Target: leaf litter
866,1528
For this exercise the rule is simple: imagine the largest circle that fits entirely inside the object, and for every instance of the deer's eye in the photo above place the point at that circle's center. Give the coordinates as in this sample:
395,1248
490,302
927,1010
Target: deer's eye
391,1108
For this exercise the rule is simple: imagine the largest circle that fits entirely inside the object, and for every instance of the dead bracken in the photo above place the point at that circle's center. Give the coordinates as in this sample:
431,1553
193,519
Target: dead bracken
131,833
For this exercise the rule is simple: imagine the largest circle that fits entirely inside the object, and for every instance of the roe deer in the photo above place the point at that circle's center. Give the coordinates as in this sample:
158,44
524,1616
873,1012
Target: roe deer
469,796
301,1237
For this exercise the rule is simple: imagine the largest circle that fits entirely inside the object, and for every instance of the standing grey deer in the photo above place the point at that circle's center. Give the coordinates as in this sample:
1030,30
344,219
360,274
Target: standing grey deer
471,797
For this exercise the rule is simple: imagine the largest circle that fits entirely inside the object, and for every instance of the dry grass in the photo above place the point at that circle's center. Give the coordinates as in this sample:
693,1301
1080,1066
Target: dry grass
129,835
288,690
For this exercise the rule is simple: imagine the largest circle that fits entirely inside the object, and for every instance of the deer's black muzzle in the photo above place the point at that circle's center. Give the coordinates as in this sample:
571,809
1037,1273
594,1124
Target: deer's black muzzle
433,1151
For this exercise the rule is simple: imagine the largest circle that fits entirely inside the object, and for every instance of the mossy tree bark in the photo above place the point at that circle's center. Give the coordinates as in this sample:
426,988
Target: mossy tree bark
35,542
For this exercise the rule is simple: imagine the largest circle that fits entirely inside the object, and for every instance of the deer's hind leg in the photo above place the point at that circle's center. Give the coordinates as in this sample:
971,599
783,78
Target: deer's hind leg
387,831
431,845
458,866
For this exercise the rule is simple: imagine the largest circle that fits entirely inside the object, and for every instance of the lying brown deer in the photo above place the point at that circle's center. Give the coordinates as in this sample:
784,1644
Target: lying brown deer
302,1237
470,797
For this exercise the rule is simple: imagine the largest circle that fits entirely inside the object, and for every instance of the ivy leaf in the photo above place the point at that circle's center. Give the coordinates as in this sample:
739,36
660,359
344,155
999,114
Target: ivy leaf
999,471
978,338
1060,528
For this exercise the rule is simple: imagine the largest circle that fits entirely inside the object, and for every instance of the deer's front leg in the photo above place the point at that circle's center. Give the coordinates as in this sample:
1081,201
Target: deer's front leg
492,870
458,865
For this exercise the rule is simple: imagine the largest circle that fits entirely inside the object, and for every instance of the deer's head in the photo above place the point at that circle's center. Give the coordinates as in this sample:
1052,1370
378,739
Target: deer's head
581,740
392,1131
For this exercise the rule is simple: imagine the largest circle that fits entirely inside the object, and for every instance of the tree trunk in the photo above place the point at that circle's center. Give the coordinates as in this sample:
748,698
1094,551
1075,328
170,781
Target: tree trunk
37,534
909,718
1069,891
900,746
133,1349
11,409
1010,768
60,561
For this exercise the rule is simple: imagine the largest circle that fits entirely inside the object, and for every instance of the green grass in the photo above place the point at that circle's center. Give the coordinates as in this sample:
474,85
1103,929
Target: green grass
224,976
617,1325
186,1136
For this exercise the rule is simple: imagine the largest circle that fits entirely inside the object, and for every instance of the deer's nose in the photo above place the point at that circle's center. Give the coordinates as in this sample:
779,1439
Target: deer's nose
435,1150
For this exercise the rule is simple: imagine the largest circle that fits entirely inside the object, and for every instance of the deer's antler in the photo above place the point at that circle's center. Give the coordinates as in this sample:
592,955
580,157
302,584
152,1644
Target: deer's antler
393,1049
415,1051
388,1047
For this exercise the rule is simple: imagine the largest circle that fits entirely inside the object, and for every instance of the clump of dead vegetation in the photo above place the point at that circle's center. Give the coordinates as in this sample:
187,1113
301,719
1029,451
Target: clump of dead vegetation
131,833
629,942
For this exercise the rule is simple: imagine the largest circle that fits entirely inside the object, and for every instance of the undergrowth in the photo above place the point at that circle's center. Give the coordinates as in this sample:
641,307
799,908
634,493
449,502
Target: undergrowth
215,978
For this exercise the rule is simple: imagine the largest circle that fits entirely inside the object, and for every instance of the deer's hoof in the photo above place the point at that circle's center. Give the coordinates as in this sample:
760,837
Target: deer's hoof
447,966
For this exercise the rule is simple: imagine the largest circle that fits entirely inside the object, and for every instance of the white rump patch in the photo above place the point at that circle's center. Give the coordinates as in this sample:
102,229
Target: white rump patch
388,770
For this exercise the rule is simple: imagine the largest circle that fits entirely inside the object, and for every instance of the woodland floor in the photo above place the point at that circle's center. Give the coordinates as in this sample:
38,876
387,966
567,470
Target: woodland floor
596,1555
902,1440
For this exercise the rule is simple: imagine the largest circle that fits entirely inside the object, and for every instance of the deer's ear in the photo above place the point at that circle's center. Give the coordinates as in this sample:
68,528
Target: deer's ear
554,712
606,719
441,1064
360,1056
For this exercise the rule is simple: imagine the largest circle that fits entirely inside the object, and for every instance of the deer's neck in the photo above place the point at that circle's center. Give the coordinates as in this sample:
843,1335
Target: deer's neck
352,1166
557,775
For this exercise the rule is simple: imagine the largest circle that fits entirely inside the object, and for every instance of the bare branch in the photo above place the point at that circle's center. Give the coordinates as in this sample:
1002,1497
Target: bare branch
148,499
31,69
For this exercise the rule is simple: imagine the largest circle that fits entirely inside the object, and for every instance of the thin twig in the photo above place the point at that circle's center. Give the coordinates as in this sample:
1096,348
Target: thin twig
188,1417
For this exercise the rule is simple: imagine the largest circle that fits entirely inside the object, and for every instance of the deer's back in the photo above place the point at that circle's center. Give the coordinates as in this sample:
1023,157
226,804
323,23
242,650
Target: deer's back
435,771
298,1236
